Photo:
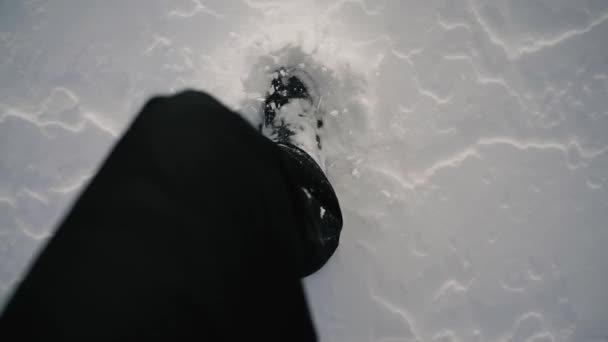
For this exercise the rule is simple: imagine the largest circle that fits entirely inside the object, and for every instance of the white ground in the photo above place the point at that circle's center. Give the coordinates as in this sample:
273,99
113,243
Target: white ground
467,140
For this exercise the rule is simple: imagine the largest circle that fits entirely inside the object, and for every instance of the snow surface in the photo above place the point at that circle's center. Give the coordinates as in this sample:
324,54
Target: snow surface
467,141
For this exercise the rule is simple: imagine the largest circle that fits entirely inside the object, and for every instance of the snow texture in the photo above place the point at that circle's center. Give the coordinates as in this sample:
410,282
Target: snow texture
466,140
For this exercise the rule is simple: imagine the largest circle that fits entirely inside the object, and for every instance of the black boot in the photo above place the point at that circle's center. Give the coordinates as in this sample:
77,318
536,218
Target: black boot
292,121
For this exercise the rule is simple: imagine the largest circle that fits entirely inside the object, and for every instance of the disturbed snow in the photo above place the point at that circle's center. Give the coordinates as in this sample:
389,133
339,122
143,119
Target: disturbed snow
466,140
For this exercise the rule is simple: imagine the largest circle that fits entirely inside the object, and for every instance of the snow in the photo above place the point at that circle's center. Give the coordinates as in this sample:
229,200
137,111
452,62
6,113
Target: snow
466,140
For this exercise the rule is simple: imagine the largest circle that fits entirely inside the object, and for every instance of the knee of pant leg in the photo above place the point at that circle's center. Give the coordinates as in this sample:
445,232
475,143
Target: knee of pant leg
196,106
193,111
197,99
191,128
188,103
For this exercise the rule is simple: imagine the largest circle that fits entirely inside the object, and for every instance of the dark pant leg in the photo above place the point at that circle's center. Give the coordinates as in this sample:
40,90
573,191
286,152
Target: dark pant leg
189,229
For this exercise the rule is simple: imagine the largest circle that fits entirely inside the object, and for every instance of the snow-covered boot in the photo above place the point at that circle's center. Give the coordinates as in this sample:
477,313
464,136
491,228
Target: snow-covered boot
290,115
292,120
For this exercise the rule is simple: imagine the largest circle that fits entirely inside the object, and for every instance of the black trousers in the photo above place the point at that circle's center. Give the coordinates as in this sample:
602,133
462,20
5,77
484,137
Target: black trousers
195,228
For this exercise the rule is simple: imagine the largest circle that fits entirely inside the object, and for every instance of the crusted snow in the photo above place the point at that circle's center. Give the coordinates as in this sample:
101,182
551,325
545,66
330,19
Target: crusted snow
466,140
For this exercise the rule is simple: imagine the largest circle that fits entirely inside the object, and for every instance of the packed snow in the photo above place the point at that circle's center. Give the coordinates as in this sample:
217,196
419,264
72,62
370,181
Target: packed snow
466,139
